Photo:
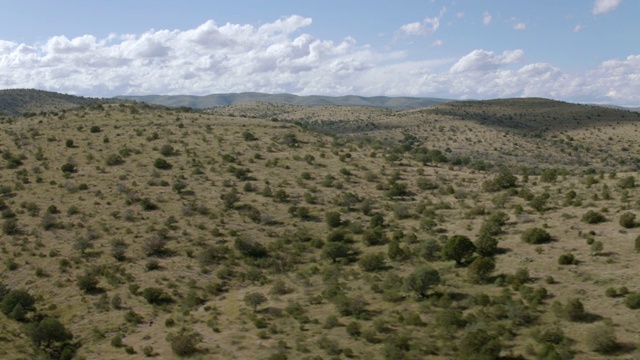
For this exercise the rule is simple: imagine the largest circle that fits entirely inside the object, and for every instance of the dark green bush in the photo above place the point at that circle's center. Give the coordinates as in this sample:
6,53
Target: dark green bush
156,296
632,301
536,236
567,259
458,248
593,217
628,220
162,164
372,262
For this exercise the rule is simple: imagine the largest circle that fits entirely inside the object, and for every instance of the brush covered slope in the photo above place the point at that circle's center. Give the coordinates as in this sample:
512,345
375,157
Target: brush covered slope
133,231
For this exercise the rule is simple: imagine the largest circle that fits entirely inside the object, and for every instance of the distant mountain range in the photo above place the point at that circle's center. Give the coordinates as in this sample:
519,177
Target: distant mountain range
215,100
25,101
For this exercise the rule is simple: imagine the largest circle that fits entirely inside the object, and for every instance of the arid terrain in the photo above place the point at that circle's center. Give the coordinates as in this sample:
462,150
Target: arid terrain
464,230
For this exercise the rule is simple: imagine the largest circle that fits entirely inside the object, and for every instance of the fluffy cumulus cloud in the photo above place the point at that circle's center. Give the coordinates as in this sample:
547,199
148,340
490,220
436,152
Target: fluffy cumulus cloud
280,57
604,6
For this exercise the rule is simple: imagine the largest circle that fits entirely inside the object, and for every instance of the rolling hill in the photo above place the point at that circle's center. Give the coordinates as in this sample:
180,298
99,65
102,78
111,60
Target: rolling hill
215,100
19,101
501,229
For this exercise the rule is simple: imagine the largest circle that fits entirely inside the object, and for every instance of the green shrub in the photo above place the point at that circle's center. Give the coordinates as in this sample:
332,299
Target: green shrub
184,343
567,259
114,159
17,303
593,217
422,280
372,262
156,296
536,236
628,220
632,301
481,269
162,164
602,339
458,248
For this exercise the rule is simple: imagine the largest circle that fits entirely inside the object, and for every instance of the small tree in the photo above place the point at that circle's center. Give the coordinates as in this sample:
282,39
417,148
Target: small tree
481,269
628,220
254,299
50,330
17,299
574,310
336,250
333,219
486,245
458,248
88,283
372,262
422,280
184,343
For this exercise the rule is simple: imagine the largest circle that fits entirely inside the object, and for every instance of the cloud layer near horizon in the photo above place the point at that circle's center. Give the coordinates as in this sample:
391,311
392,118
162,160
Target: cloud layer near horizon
278,57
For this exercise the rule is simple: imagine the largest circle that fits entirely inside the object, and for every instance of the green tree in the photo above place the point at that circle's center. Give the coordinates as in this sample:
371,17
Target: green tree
372,262
184,343
336,250
477,344
458,248
88,283
254,299
486,245
48,331
230,198
17,298
333,219
481,269
422,280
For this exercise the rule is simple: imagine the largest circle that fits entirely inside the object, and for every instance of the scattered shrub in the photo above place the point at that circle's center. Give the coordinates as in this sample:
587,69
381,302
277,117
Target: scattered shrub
628,220
567,259
593,217
536,236
632,301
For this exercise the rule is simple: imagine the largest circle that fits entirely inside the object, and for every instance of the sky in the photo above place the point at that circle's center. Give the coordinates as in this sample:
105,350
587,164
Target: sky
585,51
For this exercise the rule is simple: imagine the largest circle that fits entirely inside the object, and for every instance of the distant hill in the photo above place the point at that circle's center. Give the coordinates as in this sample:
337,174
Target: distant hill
215,100
20,101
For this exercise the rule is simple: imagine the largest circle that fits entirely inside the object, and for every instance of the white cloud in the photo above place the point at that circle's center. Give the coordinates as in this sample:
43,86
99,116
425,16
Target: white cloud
486,18
519,26
578,27
604,6
280,57
481,60
427,27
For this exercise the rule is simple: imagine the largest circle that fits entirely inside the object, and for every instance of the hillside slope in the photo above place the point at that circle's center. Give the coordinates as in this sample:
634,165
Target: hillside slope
20,101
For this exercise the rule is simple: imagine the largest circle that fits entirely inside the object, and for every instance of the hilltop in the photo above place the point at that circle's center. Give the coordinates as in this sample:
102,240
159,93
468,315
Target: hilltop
20,101
501,229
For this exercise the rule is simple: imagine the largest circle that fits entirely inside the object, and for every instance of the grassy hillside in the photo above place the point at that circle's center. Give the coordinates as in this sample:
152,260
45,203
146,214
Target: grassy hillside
215,100
20,101
264,231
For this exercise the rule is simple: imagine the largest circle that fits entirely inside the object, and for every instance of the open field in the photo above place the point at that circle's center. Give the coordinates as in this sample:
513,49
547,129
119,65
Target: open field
265,231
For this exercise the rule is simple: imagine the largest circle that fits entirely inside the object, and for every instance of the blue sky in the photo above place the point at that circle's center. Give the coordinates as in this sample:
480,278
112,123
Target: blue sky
580,51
